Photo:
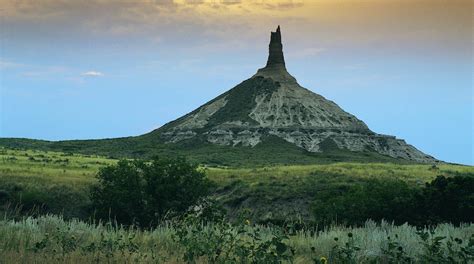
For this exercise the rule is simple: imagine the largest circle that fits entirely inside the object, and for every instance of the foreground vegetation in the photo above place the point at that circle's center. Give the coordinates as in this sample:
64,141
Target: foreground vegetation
50,239
60,183
280,214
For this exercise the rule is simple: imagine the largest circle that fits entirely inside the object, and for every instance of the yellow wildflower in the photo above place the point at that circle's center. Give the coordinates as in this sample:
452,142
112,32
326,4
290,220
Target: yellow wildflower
323,260
247,222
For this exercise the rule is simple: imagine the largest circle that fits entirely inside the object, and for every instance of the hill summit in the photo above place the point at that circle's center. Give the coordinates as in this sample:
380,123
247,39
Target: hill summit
272,104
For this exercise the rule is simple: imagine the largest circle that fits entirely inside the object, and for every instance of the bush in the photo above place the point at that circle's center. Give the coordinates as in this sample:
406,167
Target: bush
215,240
446,200
375,199
45,198
4,196
139,192
440,201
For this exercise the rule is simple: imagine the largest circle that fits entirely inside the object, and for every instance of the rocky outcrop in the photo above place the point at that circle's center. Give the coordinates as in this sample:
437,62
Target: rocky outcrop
272,103
275,48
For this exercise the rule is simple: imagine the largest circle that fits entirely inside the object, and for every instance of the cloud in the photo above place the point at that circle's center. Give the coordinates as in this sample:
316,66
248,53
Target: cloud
92,74
9,64
415,27
47,71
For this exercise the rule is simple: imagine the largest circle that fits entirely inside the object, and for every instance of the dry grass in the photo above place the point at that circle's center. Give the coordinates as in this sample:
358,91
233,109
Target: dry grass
18,241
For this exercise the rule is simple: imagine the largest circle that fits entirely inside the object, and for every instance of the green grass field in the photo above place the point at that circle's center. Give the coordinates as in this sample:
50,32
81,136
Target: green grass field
274,192
61,181
77,169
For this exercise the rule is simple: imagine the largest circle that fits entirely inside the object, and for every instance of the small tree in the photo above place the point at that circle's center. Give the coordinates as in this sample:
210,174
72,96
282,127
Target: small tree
139,192
446,200
374,199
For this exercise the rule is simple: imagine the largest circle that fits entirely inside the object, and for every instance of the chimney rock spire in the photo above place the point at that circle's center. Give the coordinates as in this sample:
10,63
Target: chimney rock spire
275,56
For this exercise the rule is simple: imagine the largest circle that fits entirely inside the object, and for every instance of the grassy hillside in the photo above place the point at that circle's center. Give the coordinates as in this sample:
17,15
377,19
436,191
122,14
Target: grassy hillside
61,181
285,195
271,151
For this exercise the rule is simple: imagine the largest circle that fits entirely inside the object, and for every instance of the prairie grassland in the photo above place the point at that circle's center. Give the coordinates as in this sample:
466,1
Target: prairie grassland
61,181
77,169
50,239
54,167
412,173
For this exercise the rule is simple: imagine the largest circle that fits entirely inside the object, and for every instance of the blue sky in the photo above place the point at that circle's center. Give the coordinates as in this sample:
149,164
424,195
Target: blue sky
103,69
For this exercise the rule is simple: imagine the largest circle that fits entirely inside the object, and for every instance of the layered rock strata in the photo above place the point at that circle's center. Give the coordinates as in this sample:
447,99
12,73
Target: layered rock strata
272,103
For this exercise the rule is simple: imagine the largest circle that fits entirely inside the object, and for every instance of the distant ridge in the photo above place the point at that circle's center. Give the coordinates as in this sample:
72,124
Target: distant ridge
268,118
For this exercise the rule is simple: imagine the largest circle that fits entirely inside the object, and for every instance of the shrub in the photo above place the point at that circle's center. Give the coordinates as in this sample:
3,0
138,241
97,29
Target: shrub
4,196
45,198
446,200
442,200
394,252
221,242
375,199
344,253
139,192
452,251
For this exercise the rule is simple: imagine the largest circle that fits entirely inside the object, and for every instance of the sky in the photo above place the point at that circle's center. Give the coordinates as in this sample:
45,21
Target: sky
103,69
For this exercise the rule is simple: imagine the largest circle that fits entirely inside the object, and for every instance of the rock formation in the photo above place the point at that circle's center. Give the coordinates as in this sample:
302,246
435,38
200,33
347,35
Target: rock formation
273,103
275,50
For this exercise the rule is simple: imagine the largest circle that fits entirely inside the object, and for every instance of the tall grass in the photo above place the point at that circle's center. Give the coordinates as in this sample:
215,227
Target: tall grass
50,239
